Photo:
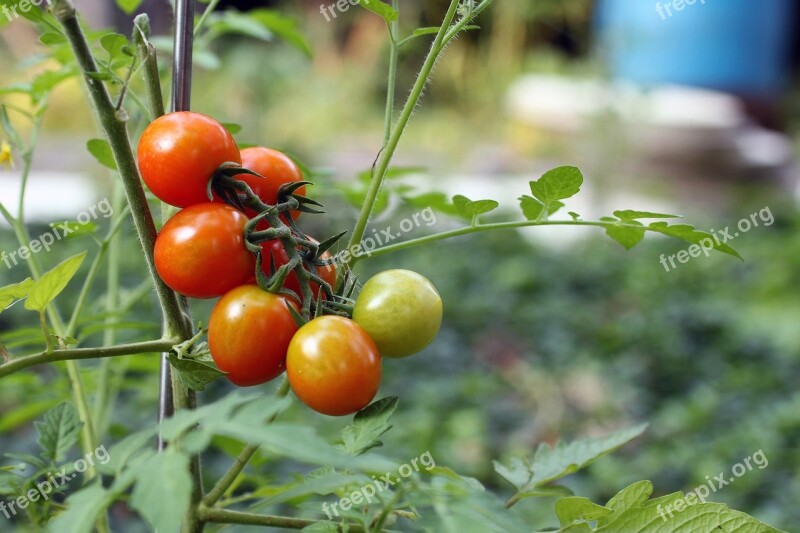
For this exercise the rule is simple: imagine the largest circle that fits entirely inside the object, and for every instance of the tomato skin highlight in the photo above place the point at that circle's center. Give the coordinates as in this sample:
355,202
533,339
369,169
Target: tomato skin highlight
249,333
179,152
401,310
275,249
201,253
333,366
276,168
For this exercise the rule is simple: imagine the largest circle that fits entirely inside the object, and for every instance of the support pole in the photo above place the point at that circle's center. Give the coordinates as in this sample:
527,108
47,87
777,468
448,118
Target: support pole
181,100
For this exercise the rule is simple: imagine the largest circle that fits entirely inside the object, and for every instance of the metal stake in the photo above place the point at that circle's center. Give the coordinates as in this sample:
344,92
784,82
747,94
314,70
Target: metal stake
181,99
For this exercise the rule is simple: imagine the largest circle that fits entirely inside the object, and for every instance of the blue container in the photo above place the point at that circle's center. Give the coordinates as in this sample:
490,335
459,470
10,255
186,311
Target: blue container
738,46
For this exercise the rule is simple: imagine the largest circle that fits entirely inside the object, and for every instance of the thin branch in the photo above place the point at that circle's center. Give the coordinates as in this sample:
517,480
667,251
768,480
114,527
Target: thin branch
224,516
75,354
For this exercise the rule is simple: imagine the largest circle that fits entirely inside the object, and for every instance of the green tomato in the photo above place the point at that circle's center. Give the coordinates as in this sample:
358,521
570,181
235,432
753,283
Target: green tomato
401,310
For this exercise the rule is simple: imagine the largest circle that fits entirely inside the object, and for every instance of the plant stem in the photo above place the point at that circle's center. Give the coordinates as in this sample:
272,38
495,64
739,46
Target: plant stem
394,28
212,5
226,481
388,151
104,400
73,372
511,501
224,516
91,275
467,230
116,132
147,55
76,354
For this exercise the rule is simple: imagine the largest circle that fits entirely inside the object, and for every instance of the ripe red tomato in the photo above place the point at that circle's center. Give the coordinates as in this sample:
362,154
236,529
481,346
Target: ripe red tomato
333,366
277,169
278,252
249,333
201,253
179,152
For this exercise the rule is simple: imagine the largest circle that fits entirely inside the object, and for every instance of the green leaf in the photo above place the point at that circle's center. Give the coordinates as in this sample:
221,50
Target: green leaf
113,43
557,184
550,464
53,282
532,208
626,235
58,432
438,201
129,6
368,425
161,493
9,128
631,496
573,509
83,508
234,22
379,8
553,463
11,293
322,481
195,373
25,412
689,234
284,27
126,450
44,83
633,512
75,229
633,215
51,37
232,128
470,209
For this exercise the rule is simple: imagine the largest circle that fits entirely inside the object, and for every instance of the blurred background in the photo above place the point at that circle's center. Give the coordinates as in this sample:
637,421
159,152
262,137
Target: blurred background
671,106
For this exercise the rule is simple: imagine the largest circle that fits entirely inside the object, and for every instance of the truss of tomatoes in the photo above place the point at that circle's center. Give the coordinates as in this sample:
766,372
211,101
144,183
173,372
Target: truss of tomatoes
233,239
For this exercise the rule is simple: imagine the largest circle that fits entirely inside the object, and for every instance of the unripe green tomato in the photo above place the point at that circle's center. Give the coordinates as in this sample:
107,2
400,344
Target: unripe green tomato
401,310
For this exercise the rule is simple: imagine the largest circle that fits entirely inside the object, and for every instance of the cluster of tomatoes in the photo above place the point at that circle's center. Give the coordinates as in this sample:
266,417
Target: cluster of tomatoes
231,243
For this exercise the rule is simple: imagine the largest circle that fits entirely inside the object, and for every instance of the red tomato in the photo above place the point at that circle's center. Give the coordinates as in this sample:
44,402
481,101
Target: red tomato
277,169
278,252
201,253
249,333
179,152
333,366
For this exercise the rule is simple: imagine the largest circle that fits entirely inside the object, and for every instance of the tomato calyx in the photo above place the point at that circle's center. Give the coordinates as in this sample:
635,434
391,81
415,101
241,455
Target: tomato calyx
276,223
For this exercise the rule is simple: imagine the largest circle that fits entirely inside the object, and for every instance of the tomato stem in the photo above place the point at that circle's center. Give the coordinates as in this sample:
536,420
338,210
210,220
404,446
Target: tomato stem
447,32
77,354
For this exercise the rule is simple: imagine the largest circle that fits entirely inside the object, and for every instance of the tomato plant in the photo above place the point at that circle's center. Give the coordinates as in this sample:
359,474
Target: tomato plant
201,253
334,366
330,341
249,333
